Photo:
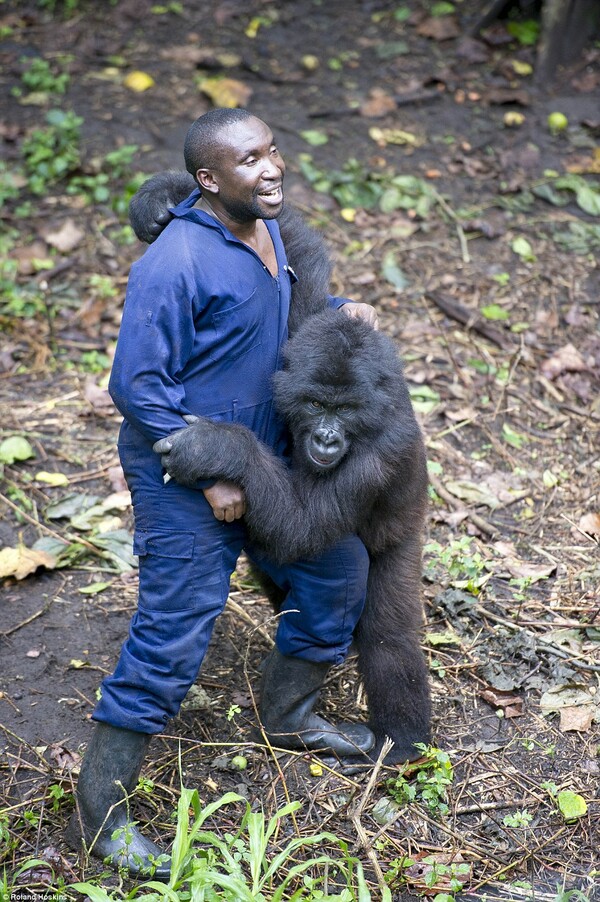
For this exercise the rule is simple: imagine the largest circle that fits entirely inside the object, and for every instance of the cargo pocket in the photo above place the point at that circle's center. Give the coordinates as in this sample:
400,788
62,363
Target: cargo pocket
166,569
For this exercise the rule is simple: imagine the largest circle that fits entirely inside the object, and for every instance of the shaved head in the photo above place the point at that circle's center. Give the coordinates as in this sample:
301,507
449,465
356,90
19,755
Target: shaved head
203,140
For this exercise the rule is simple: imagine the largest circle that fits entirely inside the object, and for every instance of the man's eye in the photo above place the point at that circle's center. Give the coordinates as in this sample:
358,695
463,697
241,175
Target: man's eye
250,161
275,150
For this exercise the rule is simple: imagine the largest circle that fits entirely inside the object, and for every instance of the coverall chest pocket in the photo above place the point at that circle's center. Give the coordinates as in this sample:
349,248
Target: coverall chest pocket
175,575
238,329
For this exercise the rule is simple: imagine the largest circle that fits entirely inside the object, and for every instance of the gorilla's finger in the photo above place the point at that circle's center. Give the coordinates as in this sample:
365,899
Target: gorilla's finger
162,446
190,418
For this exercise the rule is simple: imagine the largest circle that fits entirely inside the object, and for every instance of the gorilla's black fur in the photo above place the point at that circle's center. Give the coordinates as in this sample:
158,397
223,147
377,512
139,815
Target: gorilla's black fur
377,489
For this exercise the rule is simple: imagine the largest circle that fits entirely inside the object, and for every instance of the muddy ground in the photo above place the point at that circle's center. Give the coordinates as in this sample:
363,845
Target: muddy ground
507,398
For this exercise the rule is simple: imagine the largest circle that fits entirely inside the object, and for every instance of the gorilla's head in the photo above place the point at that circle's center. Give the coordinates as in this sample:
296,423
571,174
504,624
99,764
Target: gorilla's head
339,386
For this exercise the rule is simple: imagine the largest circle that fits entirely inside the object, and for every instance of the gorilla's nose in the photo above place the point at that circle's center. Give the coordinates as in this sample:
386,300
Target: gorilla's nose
328,439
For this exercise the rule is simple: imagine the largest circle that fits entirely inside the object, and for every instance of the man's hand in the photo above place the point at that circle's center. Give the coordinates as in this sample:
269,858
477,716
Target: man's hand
362,311
227,501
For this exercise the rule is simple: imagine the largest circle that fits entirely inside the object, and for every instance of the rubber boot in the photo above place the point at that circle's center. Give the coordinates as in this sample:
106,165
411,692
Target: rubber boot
109,774
290,690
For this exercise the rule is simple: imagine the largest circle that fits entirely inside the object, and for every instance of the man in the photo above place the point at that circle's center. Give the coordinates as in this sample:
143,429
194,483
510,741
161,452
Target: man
204,323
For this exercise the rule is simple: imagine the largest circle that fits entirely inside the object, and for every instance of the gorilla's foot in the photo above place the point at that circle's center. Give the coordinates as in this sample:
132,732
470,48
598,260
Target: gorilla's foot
101,824
290,690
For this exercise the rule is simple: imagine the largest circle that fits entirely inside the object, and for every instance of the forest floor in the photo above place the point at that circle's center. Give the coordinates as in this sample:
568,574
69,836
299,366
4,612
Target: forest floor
476,234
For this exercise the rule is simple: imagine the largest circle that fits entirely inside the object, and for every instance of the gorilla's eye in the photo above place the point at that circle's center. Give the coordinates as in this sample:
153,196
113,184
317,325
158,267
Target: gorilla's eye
344,408
316,404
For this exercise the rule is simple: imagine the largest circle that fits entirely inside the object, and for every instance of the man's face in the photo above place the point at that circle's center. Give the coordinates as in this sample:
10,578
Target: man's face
250,172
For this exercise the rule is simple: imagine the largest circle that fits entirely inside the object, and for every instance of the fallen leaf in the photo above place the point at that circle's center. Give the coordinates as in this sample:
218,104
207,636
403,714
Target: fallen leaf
571,805
511,704
590,523
97,396
439,28
559,697
566,360
26,257
33,653
63,757
66,238
138,81
226,92
385,136
15,448
379,104
55,479
19,562
578,718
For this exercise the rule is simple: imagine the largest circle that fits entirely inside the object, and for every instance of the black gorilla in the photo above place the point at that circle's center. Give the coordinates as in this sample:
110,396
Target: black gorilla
358,466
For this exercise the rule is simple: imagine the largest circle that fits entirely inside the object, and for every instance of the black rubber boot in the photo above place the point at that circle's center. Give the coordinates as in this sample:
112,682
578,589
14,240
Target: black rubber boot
290,690
109,774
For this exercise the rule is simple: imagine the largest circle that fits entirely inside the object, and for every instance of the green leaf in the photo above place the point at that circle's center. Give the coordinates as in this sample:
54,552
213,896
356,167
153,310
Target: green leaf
314,137
392,273
442,8
526,32
494,312
522,247
93,588
515,439
15,448
571,805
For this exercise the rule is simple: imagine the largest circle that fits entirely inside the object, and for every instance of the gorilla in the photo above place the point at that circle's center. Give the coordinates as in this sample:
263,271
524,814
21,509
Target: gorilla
357,466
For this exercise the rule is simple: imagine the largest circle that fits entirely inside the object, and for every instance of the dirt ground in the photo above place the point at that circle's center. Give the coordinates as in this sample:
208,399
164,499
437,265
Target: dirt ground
501,344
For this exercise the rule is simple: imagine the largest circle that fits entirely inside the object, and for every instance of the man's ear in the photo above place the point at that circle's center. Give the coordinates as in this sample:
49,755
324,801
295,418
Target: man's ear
207,181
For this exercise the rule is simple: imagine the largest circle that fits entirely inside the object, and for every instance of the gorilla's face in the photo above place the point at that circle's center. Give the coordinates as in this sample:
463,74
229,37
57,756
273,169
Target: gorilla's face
326,441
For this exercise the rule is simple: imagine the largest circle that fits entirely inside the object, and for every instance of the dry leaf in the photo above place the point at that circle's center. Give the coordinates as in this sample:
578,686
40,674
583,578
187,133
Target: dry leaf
27,255
439,28
511,704
226,92
566,360
379,104
590,523
66,238
21,561
578,718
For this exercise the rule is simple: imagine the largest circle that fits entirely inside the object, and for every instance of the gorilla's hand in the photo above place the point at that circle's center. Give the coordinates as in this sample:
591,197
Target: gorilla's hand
149,207
207,450
362,311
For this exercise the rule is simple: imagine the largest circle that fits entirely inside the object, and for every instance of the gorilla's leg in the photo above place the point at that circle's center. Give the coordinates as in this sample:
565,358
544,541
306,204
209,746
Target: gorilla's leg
392,665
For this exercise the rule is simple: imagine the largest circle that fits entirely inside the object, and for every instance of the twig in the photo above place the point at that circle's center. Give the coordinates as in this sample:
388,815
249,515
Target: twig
475,519
243,615
14,629
468,318
358,810
459,229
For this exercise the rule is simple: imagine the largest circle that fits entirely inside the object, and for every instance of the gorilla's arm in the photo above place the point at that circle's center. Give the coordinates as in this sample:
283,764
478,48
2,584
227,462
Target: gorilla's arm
289,515
149,206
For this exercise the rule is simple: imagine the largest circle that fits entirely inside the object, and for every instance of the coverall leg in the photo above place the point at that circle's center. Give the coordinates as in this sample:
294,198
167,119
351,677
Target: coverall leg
186,559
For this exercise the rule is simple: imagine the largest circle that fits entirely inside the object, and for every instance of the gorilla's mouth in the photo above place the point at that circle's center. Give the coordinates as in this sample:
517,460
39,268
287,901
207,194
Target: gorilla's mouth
325,461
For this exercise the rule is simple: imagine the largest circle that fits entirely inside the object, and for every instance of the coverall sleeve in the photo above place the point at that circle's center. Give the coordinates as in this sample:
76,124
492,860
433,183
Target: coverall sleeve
336,303
156,340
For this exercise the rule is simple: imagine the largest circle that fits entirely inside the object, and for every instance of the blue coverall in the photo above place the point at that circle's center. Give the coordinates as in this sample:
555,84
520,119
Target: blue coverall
203,328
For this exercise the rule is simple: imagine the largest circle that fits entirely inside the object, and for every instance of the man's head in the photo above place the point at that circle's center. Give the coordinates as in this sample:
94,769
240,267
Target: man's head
235,161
